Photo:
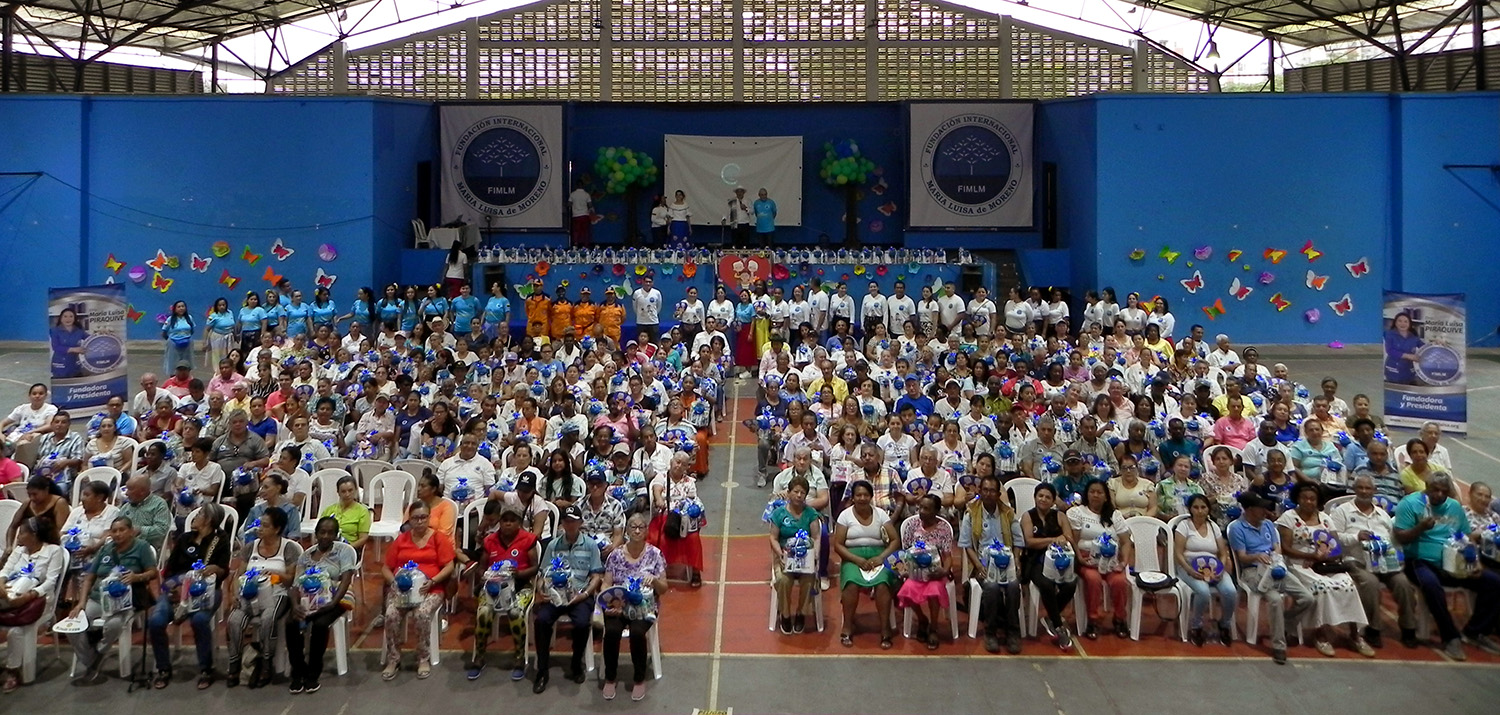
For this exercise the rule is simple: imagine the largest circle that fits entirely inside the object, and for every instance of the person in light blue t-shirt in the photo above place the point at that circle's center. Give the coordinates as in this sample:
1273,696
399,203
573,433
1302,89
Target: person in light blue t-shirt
177,331
765,218
298,316
496,311
1425,523
219,330
324,311
463,309
252,322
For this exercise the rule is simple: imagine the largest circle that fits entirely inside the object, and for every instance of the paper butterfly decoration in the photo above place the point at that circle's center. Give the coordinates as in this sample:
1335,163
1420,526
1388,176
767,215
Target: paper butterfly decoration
200,264
1169,254
221,249
1203,253
324,280
271,276
1280,302
173,262
229,281
1358,268
134,315
1235,255
160,282
1215,310
158,263
113,265
280,251
1342,305
1274,255
1193,284
1240,292
249,257
1137,254
524,289
1312,254
1315,281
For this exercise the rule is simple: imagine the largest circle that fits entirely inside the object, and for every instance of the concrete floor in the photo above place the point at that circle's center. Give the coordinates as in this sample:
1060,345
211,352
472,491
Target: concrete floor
719,655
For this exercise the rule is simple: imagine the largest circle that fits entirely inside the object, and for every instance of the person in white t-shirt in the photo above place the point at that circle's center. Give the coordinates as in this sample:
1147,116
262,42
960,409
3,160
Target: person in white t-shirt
690,314
841,305
950,308
582,205
29,417
872,309
1223,356
647,302
899,308
982,312
818,302
1058,315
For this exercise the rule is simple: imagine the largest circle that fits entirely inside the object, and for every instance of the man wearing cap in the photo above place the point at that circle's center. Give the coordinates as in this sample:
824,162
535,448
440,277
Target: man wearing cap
585,574
177,384
603,515
538,311
560,313
1075,476
1257,545
611,318
623,474
585,312
740,218
951,407
535,514
467,464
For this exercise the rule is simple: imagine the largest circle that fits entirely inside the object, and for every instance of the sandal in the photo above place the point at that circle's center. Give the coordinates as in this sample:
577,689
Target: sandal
846,640
161,679
390,671
424,670
12,682
205,680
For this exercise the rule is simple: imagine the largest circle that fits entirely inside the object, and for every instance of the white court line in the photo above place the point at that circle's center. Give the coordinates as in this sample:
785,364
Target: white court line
1486,387
16,382
1476,450
718,654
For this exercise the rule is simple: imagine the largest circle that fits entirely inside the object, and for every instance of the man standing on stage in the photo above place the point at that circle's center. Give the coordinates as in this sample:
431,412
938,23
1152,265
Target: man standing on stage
582,206
765,219
739,218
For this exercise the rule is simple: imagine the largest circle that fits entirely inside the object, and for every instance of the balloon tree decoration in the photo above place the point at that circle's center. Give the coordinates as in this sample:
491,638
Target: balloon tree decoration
625,171
845,168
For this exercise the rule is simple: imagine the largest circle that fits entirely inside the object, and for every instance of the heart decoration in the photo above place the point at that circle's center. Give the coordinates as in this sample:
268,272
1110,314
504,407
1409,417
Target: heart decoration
1203,253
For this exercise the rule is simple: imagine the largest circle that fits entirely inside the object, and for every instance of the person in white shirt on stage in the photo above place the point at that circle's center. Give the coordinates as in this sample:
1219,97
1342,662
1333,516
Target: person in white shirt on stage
647,302
950,308
899,308
1058,315
982,312
660,217
818,301
582,206
841,305
872,309
740,218
680,226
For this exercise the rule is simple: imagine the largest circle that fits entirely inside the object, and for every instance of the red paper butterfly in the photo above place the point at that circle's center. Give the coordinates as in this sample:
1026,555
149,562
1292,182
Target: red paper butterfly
1280,302
1358,268
160,282
200,264
1342,305
1240,292
280,251
324,280
1193,284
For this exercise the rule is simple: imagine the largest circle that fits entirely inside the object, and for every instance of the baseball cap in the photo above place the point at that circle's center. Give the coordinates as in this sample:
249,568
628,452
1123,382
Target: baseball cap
572,512
594,475
527,480
620,449
1072,455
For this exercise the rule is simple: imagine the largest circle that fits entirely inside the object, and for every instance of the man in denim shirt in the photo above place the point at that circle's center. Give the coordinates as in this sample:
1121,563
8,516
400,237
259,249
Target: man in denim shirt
585,574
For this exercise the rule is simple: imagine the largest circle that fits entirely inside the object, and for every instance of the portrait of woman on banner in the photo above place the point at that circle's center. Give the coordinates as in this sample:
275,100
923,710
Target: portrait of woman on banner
67,337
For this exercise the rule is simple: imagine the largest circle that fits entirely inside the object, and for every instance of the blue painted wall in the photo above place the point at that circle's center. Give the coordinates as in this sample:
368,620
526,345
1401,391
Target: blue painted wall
1359,175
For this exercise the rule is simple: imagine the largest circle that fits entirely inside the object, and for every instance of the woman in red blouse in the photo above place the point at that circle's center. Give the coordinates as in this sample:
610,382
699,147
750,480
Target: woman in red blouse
432,553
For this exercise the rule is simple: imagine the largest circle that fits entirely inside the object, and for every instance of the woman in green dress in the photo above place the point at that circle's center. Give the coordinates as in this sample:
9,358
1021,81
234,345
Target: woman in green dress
864,538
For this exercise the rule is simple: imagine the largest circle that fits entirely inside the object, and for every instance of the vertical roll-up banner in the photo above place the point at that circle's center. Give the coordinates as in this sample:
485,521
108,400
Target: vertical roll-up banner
87,331
1425,355
502,165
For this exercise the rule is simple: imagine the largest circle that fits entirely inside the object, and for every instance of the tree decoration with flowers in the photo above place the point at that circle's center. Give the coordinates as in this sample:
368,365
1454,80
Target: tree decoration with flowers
844,168
625,171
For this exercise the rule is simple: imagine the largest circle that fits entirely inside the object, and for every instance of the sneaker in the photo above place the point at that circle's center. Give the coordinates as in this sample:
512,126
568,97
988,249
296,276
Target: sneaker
799,623
1409,638
1122,629
1454,649
1013,643
1279,656
609,690
1323,647
638,692
1484,643
1195,636
1064,638
991,643
1363,648
1226,636
518,673
760,480
311,687
295,688
1047,627
476,668
786,626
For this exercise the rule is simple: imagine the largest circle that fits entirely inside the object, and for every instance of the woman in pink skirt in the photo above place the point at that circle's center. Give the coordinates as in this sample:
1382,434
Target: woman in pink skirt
927,578
745,349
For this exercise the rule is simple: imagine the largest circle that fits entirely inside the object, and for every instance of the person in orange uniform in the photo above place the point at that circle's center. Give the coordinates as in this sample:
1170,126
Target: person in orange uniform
562,313
585,312
538,312
611,317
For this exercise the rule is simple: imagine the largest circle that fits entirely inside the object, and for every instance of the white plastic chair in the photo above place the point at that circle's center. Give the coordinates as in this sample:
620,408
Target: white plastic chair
416,466
24,637
976,593
325,493
1172,569
365,471
397,490
15,490
1252,601
1237,455
1337,501
906,618
340,631
530,652
1145,534
653,641
419,234
1022,492
817,597
141,447
8,509
108,475
339,463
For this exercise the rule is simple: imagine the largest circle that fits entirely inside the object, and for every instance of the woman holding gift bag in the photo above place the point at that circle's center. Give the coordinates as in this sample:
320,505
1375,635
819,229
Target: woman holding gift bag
425,551
1202,555
261,570
324,574
1314,558
1044,526
927,568
794,543
636,562
209,546
1094,527
23,598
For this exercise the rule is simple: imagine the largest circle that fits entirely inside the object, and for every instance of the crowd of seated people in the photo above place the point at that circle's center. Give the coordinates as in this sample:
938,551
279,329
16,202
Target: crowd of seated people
908,445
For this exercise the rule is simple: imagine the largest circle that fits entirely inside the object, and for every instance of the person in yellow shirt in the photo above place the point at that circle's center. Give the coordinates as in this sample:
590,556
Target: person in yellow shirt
538,312
585,312
611,317
562,313
828,378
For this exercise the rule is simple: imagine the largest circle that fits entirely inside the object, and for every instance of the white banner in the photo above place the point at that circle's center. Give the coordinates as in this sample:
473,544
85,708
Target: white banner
971,165
502,165
708,169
